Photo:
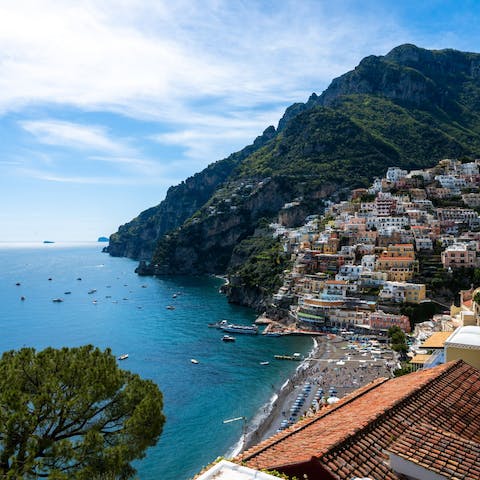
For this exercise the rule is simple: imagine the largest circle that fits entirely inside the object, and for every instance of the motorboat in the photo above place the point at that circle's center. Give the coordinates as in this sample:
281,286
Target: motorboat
193,361
170,307
93,290
124,356
228,338
57,300
264,363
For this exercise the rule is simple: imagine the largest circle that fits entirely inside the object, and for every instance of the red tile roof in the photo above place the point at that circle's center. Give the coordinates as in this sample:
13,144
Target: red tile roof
442,452
350,438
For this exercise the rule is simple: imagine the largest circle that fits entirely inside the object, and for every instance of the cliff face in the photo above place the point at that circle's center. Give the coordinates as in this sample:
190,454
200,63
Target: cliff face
205,242
138,238
409,108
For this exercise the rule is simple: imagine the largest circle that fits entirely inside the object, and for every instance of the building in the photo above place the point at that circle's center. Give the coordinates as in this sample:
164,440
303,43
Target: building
395,173
459,255
400,292
383,321
464,343
425,425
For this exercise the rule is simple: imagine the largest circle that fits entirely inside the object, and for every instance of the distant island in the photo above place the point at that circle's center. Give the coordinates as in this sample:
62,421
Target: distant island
102,239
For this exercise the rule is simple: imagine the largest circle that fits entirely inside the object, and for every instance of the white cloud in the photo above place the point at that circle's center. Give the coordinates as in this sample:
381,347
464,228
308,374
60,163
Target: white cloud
153,58
49,176
72,135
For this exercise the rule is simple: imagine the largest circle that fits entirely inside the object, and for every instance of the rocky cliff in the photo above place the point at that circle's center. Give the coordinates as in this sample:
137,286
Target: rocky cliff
409,108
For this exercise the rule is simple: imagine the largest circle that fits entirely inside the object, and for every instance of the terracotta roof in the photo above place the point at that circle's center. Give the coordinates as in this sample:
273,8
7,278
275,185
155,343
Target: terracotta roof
349,438
437,340
454,457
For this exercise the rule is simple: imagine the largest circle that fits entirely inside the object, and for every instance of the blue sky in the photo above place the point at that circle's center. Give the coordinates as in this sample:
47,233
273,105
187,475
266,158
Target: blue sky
104,105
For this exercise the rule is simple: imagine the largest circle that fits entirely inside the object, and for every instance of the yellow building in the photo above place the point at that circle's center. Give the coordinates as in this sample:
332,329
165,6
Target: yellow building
401,250
414,292
464,343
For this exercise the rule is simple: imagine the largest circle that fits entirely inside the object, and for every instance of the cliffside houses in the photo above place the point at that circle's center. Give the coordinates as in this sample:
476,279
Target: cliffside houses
361,259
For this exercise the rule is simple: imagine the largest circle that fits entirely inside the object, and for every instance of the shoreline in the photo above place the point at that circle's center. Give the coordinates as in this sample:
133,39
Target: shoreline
261,423
321,370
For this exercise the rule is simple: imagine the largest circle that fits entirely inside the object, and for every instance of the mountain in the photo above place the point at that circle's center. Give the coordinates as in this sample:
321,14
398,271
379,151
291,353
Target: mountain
409,108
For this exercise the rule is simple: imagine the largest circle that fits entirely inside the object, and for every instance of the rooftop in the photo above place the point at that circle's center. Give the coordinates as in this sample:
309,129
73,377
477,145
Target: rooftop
454,457
466,336
351,438
437,340
420,359
225,470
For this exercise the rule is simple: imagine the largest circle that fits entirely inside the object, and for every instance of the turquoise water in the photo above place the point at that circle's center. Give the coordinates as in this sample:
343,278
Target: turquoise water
228,381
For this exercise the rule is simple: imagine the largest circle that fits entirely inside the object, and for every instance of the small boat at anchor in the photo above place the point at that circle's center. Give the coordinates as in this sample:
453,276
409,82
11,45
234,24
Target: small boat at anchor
264,363
124,356
194,361
93,290
57,300
170,307
228,338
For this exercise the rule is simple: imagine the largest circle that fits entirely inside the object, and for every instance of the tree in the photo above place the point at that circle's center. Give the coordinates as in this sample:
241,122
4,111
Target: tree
72,413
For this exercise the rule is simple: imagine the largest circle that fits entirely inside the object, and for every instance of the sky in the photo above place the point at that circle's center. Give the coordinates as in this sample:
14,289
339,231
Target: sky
105,104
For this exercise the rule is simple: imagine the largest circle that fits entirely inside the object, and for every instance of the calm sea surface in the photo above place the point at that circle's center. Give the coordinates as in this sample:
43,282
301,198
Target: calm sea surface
130,316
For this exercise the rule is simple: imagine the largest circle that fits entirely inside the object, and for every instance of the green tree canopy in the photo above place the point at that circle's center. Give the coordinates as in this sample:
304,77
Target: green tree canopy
72,413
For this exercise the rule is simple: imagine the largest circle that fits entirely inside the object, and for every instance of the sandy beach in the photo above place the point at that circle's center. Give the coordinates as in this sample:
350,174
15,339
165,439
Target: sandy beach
332,366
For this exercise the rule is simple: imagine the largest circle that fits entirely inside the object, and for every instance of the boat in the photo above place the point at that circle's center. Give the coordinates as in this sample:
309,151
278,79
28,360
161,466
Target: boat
18,284
228,338
124,356
48,241
67,293
57,300
91,291
264,363
170,307
194,361
232,328
174,295
22,298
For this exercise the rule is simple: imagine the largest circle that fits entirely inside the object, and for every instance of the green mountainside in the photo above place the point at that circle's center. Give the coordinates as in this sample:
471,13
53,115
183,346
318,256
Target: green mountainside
409,108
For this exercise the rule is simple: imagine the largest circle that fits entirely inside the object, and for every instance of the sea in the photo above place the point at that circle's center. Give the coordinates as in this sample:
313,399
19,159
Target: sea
129,315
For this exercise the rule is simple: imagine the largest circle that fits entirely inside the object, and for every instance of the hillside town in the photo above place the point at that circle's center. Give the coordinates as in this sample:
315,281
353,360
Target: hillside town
367,258
355,270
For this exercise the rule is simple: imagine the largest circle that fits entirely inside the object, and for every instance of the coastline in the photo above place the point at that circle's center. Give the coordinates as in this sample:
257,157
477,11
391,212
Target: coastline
261,424
320,369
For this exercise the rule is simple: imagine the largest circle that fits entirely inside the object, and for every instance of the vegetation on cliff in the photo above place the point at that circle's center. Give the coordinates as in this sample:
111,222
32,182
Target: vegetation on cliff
409,108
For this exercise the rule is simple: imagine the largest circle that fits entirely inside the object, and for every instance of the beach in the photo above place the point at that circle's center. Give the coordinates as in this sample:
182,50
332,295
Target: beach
333,369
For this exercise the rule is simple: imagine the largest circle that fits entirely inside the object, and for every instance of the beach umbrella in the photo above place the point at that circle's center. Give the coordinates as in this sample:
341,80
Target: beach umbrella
331,400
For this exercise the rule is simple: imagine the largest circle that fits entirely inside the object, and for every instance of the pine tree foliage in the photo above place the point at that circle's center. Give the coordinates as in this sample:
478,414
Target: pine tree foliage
73,414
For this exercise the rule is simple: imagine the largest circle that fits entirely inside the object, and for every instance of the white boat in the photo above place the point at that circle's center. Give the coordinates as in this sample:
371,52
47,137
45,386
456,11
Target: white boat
170,307
124,356
228,338
194,361
264,363
232,328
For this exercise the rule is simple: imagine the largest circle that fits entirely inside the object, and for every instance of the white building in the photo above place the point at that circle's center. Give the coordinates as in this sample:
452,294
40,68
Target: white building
395,173
368,262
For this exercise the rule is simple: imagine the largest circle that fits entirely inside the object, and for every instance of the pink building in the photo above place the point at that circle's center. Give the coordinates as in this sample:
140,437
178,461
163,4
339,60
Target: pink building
383,321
